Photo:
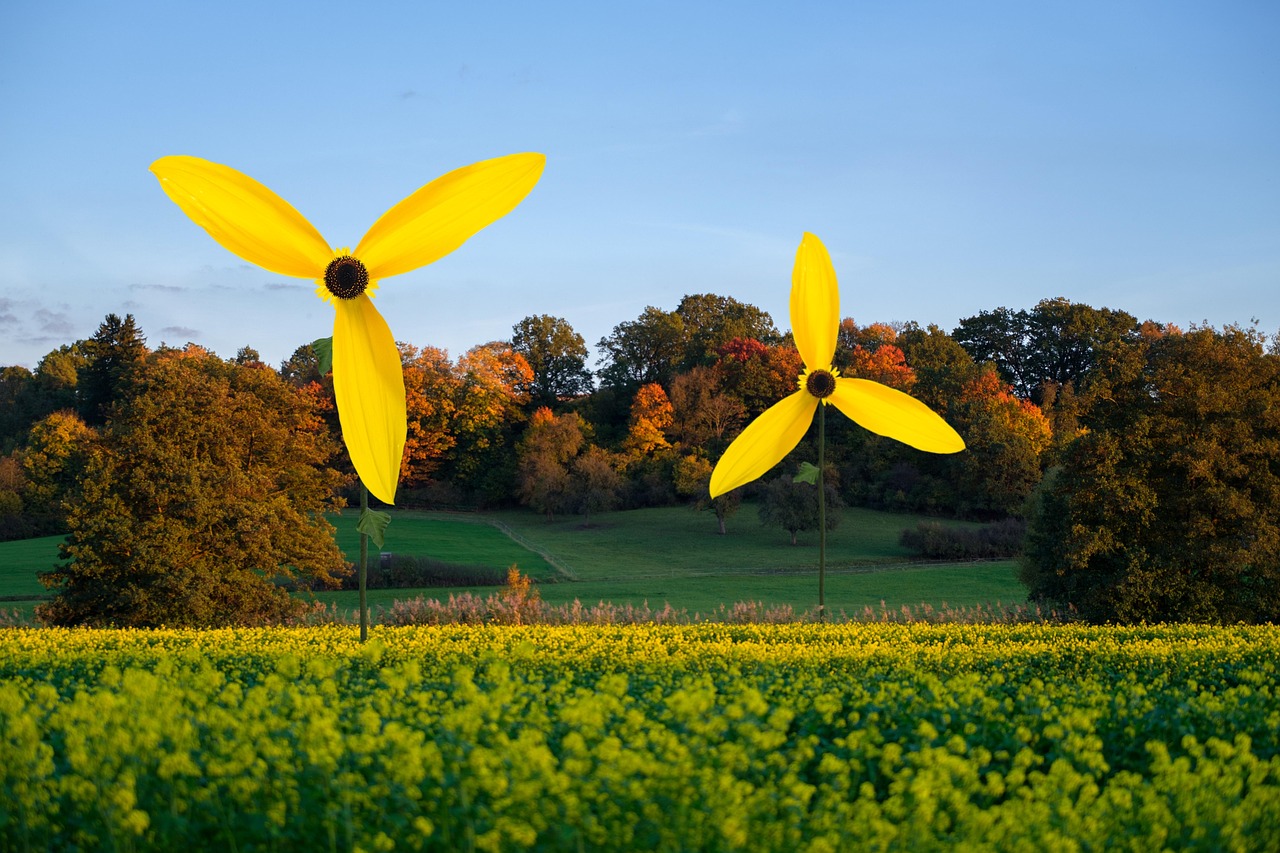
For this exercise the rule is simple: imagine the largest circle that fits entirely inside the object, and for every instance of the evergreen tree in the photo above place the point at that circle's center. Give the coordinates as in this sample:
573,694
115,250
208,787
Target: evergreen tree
112,356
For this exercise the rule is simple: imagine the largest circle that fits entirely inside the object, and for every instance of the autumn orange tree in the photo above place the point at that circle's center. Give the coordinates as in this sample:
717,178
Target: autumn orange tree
651,416
549,445
756,373
1006,437
494,385
431,391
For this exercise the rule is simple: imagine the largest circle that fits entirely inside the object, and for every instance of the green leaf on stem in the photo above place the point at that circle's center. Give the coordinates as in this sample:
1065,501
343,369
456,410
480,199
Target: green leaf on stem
808,474
323,349
374,524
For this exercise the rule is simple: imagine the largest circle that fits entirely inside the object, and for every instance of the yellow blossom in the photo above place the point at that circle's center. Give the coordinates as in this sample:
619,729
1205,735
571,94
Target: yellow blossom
815,319
259,226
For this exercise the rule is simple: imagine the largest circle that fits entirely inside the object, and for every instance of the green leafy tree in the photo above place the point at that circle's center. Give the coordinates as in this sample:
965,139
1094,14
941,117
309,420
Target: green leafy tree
793,506
711,321
57,376
1167,508
247,356
1057,342
204,493
302,366
556,354
17,411
26,397
648,349
53,462
594,482
942,366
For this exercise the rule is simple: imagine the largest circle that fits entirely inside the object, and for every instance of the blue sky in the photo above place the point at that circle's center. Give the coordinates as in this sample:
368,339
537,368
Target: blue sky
954,157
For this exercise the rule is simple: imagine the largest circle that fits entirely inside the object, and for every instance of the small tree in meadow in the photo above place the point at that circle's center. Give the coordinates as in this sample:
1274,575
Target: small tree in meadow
692,480
793,506
594,482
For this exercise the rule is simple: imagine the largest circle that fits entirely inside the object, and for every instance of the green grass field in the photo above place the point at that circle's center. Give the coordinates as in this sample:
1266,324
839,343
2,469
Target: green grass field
657,556
675,555
22,561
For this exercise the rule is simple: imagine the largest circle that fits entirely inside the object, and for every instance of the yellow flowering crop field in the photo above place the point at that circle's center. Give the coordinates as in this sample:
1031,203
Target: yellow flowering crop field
698,737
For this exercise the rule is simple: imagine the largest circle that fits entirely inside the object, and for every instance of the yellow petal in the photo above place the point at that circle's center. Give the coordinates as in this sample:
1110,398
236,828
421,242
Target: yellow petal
441,216
891,413
815,304
244,216
764,442
368,384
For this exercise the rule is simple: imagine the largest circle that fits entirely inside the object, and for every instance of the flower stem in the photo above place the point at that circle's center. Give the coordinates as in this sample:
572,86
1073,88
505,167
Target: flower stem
822,513
363,572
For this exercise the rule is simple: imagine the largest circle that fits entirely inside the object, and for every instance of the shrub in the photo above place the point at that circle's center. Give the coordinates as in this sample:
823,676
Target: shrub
29,525
934,541
404,571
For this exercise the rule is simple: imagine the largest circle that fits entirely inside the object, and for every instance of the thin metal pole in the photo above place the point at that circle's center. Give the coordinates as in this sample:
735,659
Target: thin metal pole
822,513
363,571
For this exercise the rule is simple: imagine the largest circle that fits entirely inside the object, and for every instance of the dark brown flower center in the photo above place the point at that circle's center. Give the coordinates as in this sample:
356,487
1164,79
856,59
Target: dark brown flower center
820,384
346,277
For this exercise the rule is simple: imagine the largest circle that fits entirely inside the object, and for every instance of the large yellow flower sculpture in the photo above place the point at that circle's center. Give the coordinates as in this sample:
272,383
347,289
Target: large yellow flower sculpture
815,320
259,226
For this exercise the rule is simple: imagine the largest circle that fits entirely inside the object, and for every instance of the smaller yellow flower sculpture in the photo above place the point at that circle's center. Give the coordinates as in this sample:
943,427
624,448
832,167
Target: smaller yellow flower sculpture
815,320
259,226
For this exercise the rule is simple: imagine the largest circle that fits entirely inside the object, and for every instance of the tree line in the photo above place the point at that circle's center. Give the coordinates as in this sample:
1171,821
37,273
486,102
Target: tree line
1057,405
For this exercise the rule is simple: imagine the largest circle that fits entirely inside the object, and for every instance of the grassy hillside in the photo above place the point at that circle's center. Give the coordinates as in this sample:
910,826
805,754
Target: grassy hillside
675,555
654,555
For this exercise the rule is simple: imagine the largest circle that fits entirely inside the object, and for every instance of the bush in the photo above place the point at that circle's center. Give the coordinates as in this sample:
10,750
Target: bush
1000,540
29,525
403,571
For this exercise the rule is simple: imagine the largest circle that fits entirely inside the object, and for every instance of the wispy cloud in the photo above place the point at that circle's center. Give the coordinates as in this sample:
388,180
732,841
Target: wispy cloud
180,331
53,322
163,288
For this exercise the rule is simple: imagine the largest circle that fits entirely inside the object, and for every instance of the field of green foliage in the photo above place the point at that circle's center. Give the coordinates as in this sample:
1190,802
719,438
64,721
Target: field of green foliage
707,737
